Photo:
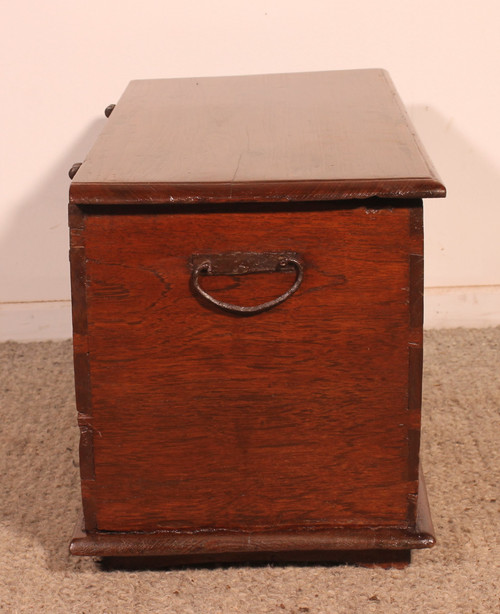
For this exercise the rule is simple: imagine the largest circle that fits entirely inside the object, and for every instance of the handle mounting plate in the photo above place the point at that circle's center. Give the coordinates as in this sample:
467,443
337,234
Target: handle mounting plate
243,263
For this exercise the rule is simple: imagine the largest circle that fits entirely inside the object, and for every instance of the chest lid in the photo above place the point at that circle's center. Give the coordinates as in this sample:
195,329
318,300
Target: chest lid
264,138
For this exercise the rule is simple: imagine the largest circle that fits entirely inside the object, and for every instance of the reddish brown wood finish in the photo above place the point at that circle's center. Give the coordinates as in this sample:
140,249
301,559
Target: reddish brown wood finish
381,546
297,417
146,551
289,435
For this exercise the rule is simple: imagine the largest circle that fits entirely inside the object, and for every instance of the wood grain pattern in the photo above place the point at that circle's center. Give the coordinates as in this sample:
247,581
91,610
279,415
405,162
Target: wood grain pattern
297,417
291,434
81,357
183,543
355,544
415,349
264,138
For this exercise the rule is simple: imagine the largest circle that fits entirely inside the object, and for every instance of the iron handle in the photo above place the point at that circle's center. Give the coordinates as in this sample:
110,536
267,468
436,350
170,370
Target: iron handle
239,263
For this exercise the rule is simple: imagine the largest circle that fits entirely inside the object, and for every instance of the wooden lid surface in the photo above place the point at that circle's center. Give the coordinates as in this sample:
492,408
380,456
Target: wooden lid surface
268,138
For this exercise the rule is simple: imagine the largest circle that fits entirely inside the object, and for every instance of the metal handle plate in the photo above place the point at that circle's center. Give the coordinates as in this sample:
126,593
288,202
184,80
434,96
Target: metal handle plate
243,263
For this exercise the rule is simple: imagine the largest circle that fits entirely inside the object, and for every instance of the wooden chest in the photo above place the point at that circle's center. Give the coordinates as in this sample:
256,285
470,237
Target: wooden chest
247,279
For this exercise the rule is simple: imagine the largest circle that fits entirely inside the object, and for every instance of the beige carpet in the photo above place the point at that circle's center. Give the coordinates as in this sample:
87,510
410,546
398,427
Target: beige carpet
40,501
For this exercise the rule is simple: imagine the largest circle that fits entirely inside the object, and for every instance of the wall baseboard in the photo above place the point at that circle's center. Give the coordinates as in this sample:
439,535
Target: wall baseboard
462,306
467,306
35,321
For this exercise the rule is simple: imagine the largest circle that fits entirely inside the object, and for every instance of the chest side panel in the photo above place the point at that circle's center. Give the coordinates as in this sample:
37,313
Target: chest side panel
297,416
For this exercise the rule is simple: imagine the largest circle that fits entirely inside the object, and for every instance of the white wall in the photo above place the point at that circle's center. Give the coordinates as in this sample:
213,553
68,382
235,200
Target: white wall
63,63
